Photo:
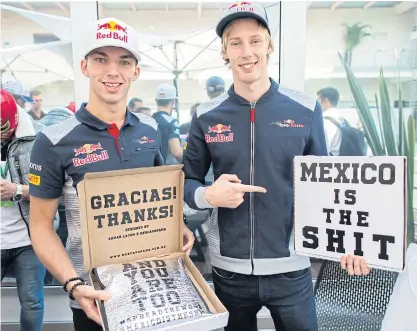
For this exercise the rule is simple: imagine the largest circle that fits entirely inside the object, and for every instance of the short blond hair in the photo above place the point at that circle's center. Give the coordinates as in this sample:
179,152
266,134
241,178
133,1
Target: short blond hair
225,37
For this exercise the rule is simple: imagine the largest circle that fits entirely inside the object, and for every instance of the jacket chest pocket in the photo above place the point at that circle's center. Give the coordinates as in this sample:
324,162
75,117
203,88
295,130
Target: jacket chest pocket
144,155
285,147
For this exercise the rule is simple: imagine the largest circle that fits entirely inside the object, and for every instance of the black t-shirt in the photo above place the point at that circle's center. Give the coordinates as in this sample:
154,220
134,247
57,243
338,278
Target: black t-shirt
169,129
32,114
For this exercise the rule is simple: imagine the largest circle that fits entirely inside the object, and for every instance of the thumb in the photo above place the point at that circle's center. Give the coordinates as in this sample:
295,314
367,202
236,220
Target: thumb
230,178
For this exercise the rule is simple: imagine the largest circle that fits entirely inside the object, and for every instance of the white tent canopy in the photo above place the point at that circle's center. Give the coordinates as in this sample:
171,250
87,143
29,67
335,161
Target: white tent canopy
191,55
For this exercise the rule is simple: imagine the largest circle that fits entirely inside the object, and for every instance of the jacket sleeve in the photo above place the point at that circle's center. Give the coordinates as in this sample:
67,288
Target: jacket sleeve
47,174
316,144
196,159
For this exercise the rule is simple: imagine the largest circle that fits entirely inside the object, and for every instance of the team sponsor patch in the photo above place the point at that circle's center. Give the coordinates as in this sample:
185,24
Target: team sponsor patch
34,179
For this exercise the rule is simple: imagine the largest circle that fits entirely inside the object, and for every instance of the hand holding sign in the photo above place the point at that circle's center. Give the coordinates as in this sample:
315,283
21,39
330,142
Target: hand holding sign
355,265
188,240
227,191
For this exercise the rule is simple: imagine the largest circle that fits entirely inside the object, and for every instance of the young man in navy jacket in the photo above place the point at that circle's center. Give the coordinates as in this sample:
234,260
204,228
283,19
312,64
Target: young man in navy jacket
251,134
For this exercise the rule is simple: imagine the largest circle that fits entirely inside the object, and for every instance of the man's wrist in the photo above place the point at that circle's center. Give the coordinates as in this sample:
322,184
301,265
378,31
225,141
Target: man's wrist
207,195
71,281
71,284
200,198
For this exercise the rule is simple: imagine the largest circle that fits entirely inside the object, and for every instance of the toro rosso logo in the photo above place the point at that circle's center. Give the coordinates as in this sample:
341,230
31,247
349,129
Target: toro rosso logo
287,124
241,6
216,134
145,140
112,30
89,149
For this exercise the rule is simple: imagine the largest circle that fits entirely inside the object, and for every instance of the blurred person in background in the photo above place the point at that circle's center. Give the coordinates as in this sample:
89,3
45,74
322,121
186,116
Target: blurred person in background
342,139
165,97
36,111
55,116
143,110
328,98
186,126
134,103
215,86
17,137
13,86
71,106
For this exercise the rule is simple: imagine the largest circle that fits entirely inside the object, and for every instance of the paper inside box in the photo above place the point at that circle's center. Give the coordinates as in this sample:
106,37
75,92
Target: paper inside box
218,312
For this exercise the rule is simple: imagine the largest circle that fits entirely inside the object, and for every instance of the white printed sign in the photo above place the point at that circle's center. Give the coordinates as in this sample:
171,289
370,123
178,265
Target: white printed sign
351,205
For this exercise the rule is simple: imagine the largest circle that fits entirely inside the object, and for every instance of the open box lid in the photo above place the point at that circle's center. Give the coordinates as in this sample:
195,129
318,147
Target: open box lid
132,214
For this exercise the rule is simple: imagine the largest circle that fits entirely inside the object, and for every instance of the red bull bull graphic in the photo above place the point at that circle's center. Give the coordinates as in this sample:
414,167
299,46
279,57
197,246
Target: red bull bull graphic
112,30
89,149
242,6
219,136
287,124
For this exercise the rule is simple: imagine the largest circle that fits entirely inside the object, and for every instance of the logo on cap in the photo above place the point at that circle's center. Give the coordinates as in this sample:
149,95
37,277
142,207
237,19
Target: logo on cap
242,6
112,30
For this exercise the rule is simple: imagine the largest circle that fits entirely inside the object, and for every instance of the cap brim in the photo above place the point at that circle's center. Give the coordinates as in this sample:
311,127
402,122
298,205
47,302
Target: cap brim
27,99
166,98
134,53
240,14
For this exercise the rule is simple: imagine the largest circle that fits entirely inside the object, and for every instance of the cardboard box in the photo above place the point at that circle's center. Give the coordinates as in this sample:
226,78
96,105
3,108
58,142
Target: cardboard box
137,214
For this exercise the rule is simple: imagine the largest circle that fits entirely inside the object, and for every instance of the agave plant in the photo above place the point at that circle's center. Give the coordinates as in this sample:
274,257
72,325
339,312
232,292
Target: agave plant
354,34
386,142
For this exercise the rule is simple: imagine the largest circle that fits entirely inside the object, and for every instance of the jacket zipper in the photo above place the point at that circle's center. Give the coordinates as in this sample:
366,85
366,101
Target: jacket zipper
252,180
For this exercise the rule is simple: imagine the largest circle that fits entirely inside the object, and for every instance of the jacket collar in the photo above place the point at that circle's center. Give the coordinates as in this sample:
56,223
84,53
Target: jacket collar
239,99
25,126
84,116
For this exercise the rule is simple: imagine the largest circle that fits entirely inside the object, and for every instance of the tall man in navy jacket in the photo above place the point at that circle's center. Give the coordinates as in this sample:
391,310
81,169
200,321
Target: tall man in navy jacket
244,133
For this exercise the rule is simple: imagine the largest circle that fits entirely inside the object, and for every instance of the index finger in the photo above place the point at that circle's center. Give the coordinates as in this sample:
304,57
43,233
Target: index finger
91,293
251,188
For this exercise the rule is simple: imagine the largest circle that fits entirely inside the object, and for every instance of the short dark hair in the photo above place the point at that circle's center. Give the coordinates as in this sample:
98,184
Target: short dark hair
163,102
330,94
213,95
34,93
194,108
133,101
141,109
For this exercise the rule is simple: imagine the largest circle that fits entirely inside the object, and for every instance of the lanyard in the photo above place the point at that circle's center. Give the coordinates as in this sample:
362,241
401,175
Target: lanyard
4,170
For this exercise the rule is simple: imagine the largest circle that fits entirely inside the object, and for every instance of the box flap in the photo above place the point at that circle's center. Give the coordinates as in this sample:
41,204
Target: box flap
131,214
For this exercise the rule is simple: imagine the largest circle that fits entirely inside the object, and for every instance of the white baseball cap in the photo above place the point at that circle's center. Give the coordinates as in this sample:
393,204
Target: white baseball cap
166,92
13,86
111,32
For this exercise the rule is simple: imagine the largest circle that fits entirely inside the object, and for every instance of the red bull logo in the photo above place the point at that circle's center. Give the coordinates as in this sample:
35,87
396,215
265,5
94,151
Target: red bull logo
89,149
219,131
242,6
112,30
287,124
